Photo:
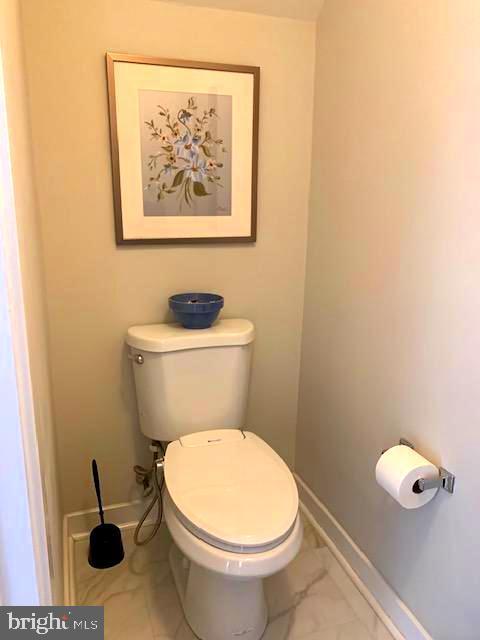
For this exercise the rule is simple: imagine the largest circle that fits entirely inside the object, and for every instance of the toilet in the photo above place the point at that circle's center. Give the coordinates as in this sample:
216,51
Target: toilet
230,502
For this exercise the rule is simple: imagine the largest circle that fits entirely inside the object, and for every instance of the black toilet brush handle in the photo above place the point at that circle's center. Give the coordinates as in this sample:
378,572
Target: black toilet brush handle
96,481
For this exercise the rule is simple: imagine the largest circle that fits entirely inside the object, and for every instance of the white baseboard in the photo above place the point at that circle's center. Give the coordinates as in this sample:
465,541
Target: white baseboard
77,526
391,610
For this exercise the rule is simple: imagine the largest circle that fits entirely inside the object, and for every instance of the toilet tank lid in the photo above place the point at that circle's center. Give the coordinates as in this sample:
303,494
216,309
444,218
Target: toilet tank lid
160,338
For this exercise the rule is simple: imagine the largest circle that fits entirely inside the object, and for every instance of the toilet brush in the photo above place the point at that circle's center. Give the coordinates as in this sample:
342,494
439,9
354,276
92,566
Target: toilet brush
106,548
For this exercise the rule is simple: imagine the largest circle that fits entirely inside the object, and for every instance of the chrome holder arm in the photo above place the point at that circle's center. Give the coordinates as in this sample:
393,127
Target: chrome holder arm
445,480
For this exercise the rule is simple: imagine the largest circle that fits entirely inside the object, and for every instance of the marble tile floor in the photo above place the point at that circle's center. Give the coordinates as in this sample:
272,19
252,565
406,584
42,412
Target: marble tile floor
312,599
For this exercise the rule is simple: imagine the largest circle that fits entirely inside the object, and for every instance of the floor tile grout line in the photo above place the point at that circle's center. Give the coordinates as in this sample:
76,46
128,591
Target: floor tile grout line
313,543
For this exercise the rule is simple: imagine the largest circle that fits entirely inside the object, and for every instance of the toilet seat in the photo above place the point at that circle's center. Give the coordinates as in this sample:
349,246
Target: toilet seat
234,565
231,490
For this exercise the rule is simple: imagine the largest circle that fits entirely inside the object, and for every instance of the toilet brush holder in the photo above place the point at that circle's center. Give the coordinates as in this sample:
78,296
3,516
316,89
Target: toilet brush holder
106,547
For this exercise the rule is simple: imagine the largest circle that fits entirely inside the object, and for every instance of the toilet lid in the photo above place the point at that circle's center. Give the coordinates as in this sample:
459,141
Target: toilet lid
231,489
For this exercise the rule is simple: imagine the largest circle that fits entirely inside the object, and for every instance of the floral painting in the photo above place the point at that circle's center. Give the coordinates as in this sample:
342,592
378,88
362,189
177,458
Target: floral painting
184,143
186,152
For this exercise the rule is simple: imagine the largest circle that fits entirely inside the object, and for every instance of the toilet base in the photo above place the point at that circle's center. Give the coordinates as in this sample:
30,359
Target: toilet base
216,606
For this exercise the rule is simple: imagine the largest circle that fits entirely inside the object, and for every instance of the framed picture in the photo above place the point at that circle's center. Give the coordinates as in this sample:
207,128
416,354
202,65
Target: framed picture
184,141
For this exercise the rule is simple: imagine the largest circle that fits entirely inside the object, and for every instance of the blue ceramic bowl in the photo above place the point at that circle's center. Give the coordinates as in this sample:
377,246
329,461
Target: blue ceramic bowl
195,310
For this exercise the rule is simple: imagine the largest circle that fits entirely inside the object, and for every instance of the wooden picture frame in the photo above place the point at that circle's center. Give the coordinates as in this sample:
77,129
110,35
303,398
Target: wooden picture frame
184,146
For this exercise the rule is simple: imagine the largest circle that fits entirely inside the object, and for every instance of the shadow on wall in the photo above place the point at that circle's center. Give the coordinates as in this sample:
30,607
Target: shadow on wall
129,403
401,551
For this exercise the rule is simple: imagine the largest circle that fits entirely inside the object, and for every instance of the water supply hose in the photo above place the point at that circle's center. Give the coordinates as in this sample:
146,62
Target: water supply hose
149,479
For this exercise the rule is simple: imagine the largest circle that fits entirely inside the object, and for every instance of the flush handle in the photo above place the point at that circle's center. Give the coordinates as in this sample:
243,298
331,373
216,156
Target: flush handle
138,358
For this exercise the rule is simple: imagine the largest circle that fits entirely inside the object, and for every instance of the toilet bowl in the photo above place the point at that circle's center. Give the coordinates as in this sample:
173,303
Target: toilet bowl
231,503
231,506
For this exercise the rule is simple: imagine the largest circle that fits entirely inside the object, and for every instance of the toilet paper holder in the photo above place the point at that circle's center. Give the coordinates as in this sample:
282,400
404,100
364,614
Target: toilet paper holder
445,480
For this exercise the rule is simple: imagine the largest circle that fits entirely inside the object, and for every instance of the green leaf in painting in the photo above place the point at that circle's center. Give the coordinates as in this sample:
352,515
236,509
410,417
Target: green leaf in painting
206,150
178,178
199,189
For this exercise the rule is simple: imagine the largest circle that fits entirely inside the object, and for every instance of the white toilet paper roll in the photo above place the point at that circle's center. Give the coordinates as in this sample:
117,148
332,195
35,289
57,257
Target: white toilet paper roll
397,472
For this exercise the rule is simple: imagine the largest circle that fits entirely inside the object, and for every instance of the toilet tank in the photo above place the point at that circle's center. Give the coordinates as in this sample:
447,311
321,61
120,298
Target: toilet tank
191,380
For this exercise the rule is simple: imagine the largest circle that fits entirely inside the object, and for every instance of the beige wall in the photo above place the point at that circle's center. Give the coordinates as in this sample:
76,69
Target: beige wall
30,253
392,310
96,290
